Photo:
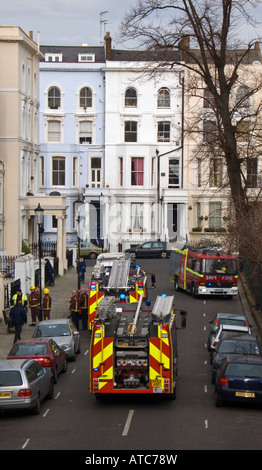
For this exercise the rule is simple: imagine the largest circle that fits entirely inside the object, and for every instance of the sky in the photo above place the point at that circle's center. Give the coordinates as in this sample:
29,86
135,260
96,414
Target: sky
66,22
74,22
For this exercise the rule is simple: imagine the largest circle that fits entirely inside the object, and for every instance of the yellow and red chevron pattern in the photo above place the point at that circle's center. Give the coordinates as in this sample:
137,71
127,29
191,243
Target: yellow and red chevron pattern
101,361
94,298
140,289
160,352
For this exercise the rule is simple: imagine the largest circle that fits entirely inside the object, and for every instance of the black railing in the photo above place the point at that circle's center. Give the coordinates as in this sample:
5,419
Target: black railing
7,265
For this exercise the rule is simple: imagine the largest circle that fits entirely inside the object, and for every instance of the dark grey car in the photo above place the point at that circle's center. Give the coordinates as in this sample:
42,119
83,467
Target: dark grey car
154,249
234,344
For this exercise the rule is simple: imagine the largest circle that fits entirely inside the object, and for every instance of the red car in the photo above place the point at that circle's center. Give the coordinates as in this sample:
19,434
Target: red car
45,351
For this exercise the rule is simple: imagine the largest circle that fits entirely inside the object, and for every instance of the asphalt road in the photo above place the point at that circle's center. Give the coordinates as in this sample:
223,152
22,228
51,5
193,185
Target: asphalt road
75,420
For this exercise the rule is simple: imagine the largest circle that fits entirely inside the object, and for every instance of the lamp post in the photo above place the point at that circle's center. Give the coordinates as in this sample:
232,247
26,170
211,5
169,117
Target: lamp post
39,215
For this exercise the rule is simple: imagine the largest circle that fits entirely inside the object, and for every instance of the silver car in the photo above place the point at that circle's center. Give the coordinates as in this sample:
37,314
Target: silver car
24,383
63,332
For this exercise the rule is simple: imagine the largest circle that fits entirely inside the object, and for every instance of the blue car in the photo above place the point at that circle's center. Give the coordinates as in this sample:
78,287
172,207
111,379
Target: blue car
239,380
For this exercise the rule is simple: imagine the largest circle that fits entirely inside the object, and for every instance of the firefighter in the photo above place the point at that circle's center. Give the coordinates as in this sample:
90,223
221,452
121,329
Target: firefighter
83,297
74,308
34,304
47,302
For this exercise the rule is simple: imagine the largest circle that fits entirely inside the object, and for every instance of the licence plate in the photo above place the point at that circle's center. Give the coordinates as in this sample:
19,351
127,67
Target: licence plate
5,394
156,383
245,394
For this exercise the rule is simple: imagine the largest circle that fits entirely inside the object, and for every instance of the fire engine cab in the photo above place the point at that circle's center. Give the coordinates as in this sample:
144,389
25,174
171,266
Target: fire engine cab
204,270
120,278
134,347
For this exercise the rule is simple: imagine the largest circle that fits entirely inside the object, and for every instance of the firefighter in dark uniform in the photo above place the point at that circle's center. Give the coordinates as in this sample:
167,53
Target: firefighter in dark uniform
34,304
47,303
74,308
83,297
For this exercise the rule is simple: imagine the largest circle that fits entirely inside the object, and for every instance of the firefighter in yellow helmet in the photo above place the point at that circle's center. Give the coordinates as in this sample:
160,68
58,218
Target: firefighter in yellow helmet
34,304
47,302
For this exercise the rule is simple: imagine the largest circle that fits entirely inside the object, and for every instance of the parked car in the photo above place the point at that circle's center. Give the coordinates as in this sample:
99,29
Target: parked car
150,250
45,350
224,319
237,344
24,384
89,250
239,380
63,332
223,329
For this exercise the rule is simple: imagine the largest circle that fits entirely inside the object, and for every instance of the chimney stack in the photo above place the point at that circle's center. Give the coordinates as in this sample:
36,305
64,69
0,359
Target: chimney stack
108,49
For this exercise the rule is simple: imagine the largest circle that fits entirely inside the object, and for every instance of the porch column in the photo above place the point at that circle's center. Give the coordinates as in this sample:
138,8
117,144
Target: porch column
61,244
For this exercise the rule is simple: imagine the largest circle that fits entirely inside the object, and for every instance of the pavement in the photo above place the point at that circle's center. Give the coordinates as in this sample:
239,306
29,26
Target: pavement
61,293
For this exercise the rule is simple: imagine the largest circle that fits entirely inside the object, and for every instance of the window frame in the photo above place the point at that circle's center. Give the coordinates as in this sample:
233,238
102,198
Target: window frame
137,171
59,172
164,134
215,215
174,185
58,98
131,101
163,98
130,135
87,99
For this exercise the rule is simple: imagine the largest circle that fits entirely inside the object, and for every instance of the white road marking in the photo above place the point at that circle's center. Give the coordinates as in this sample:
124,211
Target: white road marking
128,422
25,444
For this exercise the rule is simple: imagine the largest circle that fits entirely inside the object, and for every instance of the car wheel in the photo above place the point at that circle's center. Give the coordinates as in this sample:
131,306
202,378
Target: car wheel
92,255
213,378
193,290
64,369
73,357
218,401
55,376
176,284
36,409
51,391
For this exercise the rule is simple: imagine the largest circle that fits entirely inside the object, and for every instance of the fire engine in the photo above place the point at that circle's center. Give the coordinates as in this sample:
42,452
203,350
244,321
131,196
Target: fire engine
134,347
119,277
204,270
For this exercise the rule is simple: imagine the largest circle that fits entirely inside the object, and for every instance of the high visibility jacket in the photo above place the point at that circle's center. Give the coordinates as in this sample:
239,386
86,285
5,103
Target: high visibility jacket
23,297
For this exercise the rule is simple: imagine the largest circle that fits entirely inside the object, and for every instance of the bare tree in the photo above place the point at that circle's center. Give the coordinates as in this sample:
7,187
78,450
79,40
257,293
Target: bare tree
207,35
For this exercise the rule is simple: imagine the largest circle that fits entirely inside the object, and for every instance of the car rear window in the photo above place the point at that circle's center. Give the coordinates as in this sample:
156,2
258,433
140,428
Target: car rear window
232,322
35,349
10,377
239,347
244,370
47,331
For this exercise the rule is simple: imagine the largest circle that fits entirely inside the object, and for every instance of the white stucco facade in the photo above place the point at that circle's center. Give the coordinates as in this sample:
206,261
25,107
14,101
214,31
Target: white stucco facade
142,205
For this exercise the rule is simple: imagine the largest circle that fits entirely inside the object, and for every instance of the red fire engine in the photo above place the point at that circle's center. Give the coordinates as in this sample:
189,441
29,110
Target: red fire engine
134,347
204,270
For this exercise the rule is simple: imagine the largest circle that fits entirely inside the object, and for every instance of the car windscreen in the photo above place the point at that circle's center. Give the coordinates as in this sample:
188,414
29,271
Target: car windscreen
32,349
238,347
232,321
49,331
244,370
218,266
10,378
